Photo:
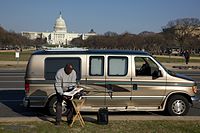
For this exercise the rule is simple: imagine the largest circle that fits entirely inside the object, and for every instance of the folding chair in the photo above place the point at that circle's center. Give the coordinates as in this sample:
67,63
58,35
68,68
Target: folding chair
77,106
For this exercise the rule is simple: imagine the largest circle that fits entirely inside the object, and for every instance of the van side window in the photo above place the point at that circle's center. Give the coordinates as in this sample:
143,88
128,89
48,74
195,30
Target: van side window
117,66
144,66
52,65
96,66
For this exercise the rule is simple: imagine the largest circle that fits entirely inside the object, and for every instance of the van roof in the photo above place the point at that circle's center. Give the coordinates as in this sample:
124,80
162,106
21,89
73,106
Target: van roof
88,51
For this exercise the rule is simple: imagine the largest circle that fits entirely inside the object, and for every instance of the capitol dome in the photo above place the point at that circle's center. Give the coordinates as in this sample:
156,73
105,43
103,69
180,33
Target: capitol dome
60,25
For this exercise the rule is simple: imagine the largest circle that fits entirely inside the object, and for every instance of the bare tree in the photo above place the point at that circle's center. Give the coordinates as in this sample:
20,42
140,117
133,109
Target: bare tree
181,29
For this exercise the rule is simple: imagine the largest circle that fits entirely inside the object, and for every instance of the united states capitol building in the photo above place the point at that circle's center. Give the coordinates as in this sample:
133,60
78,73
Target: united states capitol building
60,35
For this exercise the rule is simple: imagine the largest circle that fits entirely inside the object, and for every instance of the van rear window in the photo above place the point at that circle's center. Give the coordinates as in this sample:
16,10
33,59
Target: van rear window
52,65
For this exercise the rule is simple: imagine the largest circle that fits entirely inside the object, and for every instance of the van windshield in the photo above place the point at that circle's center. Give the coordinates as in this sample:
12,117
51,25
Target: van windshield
167,70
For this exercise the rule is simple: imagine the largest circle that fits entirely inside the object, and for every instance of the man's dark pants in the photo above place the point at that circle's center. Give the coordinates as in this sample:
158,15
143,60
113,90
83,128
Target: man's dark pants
70,109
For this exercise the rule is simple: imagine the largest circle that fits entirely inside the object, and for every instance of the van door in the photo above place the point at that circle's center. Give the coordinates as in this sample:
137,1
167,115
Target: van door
118,80
95,80
148,91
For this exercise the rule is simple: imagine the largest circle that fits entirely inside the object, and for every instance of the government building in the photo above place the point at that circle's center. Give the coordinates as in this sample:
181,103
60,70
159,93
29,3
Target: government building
60,35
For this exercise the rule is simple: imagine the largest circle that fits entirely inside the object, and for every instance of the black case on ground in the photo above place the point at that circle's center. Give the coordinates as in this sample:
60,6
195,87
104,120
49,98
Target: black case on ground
102,116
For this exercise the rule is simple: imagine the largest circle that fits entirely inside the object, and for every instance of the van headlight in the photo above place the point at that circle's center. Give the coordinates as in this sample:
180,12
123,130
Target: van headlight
194,89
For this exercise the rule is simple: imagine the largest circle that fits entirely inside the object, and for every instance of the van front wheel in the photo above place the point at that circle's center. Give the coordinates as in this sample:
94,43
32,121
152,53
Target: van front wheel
52,106
177,106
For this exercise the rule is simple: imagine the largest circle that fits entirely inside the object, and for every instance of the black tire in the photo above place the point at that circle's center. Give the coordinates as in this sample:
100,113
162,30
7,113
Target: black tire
52,106
177,105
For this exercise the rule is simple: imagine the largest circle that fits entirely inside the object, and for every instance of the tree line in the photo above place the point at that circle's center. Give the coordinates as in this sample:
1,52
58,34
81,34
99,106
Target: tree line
12,40
183,34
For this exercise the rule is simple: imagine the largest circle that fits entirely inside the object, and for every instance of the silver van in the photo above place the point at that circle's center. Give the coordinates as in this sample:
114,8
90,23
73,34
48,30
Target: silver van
118,79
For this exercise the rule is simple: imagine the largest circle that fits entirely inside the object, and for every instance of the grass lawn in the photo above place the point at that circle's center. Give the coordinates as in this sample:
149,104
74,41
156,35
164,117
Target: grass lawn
10,56
112,127
25,55
175,60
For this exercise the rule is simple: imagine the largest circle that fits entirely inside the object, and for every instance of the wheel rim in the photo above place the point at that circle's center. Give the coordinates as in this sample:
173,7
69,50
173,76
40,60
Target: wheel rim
64,109
178,107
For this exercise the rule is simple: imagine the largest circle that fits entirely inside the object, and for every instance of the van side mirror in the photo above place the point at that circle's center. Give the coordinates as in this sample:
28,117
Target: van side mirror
156,74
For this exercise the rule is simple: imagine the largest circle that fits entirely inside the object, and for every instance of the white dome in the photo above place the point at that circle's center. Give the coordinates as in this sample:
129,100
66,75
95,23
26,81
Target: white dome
60,25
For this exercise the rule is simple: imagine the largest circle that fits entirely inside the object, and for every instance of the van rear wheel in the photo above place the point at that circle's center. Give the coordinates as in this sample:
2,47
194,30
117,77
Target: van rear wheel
177,106
52,106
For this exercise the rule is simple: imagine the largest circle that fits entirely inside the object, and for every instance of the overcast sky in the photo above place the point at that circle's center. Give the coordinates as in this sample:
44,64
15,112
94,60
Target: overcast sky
119,16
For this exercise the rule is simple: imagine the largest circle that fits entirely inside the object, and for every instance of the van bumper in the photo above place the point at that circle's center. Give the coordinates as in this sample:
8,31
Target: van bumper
195,100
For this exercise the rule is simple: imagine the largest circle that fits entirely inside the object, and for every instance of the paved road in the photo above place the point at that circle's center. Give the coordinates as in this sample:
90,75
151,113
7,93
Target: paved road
12,93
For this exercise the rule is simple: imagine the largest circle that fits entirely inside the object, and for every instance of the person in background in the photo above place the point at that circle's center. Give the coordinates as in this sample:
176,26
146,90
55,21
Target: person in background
65,81
186,56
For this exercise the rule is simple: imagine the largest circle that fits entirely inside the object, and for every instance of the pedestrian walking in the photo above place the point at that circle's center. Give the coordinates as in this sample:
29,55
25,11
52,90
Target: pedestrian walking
186,56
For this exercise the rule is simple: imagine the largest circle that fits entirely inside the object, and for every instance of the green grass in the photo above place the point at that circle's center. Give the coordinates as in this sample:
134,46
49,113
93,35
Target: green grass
112,127
175,60
10,56
25,55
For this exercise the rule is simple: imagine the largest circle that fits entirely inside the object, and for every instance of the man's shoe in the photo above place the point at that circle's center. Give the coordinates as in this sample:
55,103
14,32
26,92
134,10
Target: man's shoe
57,123
69,122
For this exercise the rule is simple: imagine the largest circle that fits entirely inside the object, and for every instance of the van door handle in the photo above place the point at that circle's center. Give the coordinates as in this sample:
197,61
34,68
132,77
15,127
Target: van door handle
135,87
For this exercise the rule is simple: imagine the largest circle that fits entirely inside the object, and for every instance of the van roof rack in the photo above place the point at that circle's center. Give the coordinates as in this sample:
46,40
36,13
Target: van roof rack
88,51
66,49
